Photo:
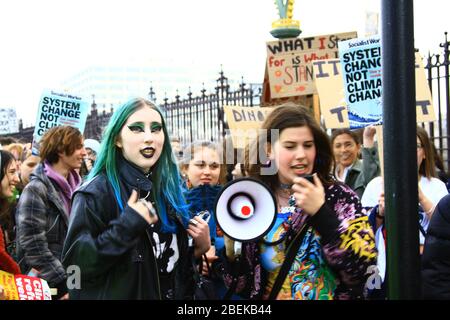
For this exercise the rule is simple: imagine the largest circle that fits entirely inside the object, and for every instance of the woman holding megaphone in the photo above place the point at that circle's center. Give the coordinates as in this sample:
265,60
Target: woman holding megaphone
321,244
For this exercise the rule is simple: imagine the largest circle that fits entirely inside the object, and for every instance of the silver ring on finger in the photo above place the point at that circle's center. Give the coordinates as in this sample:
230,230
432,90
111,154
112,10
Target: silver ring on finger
151,210
193,222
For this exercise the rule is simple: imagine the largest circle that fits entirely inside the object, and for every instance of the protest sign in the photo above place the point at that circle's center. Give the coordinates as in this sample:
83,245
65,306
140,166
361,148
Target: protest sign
333,107
331,93
244,123
289,62
424,103
22,287
8,121
57,109
361,73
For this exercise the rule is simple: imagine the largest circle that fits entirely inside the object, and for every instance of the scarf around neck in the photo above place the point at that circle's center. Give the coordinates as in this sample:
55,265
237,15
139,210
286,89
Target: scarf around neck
66,187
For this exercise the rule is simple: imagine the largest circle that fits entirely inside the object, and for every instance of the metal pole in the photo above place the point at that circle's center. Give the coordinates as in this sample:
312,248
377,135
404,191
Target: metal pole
446,46
399,135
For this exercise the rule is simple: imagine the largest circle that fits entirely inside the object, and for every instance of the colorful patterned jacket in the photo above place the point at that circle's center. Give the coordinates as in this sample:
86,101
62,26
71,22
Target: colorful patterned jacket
347,251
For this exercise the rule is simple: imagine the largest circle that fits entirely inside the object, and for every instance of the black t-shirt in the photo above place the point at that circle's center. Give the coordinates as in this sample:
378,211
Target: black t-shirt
165,249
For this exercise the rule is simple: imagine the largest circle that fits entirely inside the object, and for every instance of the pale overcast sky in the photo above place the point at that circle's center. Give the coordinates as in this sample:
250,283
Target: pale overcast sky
44,42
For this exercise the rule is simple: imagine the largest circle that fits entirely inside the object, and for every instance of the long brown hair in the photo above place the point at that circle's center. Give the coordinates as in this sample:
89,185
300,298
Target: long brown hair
427,167
6,204
290,115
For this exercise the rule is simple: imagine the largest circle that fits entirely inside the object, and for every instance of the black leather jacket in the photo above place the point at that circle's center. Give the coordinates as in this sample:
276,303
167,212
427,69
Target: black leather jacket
113,248
436,254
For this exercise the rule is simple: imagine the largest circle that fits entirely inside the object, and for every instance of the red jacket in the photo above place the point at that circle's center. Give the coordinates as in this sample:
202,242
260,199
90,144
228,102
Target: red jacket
6,262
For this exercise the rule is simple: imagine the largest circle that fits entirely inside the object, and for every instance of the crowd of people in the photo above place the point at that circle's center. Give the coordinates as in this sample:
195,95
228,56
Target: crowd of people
135,212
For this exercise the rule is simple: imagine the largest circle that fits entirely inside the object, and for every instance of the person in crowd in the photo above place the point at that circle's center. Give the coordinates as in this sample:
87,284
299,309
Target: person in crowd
431,189
29,162
176,148
202,168
440,170
43,209
4,141
129,224
17,151
92,147
436,254
233,159
7,263
236,168
336,243
9,178
349,169
239,171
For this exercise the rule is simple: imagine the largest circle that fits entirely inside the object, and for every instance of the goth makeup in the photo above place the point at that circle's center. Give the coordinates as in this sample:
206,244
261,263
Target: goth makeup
142,138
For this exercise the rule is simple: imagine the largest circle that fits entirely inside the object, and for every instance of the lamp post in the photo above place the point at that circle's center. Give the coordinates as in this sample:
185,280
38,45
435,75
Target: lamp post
399,136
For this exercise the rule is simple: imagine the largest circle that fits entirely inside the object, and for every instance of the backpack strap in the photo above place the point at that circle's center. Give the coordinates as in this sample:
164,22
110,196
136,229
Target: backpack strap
287,263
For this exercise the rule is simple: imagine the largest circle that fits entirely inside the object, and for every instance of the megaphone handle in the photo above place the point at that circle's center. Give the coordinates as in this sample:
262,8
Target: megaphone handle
237,248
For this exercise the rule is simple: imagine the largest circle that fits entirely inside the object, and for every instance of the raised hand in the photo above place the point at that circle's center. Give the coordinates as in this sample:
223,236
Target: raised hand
198,229
309,196
369,136
143,207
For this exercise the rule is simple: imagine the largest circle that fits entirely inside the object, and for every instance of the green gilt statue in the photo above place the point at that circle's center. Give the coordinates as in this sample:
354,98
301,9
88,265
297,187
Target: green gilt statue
285,27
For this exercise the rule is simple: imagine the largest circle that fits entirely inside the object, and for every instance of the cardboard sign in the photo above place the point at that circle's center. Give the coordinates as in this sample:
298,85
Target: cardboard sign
333,107
8,121
22,287
244,123
331,93
424,102
289,62
361,72
57,109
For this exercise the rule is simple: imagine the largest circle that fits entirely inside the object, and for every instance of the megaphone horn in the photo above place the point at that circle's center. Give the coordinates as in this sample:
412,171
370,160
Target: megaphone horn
241,206
245,209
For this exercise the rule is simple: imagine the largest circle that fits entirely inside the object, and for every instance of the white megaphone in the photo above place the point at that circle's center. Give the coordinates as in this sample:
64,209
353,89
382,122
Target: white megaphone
245,209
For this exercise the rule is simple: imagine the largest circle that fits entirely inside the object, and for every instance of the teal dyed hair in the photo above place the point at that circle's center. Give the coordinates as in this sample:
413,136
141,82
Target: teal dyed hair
166,179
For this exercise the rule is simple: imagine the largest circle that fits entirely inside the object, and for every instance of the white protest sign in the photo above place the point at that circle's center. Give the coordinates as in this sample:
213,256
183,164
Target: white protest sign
333,107
8,121
361,72
56,109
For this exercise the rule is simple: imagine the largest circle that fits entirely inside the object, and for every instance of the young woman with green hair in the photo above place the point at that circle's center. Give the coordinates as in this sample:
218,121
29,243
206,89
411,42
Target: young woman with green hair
129,222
